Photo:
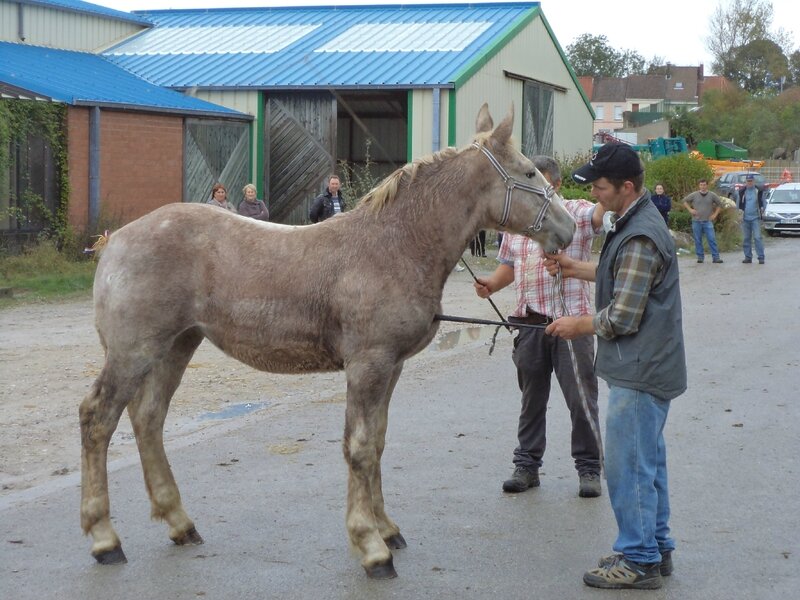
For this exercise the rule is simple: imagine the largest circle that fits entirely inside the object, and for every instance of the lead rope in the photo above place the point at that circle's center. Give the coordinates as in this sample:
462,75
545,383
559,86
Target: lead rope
557,297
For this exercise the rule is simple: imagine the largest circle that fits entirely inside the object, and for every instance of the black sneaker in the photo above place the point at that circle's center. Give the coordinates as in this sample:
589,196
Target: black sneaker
619,573
699,260
522,479
761,261
590,486
717,261
747,261
664,567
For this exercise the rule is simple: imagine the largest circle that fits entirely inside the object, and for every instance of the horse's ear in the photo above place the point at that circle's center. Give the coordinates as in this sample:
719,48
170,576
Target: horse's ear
503,131
484,121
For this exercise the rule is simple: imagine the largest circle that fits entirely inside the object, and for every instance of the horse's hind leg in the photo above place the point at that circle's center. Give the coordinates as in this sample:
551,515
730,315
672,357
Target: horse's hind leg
147,413
389,530
367,383
99,416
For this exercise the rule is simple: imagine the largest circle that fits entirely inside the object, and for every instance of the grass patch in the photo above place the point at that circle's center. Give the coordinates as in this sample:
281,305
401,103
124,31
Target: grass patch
42,273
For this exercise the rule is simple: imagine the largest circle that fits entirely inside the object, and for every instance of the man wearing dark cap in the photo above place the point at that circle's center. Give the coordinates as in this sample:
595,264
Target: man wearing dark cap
751,203
640,354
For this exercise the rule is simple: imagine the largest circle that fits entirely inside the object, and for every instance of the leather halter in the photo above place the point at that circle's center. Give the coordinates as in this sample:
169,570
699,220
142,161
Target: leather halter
546,192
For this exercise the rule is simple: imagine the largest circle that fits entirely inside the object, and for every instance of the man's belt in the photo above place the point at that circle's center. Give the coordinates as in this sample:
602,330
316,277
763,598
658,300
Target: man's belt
531,318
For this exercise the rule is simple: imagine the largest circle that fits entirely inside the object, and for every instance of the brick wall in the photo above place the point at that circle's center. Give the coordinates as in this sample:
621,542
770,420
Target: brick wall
141,165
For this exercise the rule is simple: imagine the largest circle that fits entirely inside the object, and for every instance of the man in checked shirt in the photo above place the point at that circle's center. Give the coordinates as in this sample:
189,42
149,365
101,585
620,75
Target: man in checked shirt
537,355
640,353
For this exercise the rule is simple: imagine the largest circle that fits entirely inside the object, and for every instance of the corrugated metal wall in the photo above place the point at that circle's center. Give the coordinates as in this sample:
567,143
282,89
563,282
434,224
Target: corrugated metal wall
533,54
422,118
44,26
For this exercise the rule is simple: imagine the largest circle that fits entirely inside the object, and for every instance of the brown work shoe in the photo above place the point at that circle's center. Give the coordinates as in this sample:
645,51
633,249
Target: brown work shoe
522,479
590,486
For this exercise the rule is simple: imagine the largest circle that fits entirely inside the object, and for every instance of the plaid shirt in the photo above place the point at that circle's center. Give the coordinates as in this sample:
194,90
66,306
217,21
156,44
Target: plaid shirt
535,286
637,268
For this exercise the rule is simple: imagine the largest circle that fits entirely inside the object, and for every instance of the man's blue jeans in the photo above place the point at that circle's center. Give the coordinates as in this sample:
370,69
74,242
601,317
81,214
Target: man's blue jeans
636,471
752,228
698,229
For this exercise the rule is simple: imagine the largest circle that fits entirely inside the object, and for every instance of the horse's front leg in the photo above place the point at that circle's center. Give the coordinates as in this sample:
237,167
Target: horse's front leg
365,421
389,530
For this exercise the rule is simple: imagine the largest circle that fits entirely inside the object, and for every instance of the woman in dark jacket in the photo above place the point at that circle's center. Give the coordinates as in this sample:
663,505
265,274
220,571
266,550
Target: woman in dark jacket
662,201
251,206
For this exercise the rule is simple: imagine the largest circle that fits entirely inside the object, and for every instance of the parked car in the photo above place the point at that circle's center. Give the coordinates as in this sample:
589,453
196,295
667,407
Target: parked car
782,213
729,184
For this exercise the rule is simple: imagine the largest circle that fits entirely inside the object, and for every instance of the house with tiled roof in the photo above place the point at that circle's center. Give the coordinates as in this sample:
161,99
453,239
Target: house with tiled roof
619,102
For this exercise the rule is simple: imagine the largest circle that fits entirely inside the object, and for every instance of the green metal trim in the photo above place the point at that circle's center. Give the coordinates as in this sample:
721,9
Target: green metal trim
521,23
258,131
409,125
451,117
469,70
564,58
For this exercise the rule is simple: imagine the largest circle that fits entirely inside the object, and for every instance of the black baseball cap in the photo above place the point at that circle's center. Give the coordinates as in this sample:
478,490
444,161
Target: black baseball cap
612,161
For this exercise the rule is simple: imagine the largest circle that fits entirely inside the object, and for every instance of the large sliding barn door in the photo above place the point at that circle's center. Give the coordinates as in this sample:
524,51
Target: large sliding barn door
300,152
215,152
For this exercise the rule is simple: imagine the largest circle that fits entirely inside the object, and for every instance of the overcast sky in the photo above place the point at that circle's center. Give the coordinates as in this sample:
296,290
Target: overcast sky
675,30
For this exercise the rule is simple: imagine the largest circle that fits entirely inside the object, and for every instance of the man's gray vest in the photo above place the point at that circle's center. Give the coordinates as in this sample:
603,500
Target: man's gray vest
652,359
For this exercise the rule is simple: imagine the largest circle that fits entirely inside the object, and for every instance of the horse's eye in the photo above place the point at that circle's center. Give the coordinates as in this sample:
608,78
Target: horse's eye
530,175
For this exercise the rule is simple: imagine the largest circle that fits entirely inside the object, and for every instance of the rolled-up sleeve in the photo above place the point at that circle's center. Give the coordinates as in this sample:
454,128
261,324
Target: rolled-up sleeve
637,268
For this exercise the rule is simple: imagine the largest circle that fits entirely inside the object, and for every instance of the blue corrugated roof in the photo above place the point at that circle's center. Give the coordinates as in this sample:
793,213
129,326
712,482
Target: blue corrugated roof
81,78
345,46
89,8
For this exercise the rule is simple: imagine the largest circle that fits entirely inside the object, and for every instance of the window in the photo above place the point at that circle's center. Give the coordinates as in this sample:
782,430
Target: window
678,85
537,119
599,112
618,113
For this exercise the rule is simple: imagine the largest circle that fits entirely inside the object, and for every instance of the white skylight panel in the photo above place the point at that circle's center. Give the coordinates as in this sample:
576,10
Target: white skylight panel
406,37
256,39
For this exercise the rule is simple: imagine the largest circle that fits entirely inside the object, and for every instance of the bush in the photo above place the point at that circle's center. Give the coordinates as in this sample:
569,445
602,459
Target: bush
570,190
678,173
680,219
728,230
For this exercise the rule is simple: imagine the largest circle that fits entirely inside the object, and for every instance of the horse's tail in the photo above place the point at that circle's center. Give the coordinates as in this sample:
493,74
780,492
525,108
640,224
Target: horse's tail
100,243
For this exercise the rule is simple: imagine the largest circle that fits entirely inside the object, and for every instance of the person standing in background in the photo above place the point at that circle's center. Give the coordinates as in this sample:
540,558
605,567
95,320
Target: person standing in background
251,206
662,201
328,203
704,206
751,203
219,197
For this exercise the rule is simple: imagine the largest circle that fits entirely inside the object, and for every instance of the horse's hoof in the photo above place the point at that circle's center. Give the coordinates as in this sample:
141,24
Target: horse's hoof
115,556
190,538
382,570
396,541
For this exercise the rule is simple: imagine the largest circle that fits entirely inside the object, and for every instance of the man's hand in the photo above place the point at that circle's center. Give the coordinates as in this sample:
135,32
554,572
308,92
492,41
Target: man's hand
559,262
482,287
570,328
569,267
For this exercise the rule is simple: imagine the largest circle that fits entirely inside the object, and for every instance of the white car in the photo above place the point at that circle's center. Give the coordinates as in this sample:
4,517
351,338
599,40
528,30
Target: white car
782,213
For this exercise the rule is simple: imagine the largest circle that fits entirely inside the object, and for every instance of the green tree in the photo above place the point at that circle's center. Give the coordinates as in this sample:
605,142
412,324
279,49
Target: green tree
757,66
745,47
593,55
734,26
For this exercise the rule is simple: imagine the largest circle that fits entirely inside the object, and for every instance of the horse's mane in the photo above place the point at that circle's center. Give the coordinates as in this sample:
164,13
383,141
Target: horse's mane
386,191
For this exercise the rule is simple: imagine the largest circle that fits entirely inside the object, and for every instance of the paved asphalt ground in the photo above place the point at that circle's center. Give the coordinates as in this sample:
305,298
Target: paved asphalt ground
274,521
